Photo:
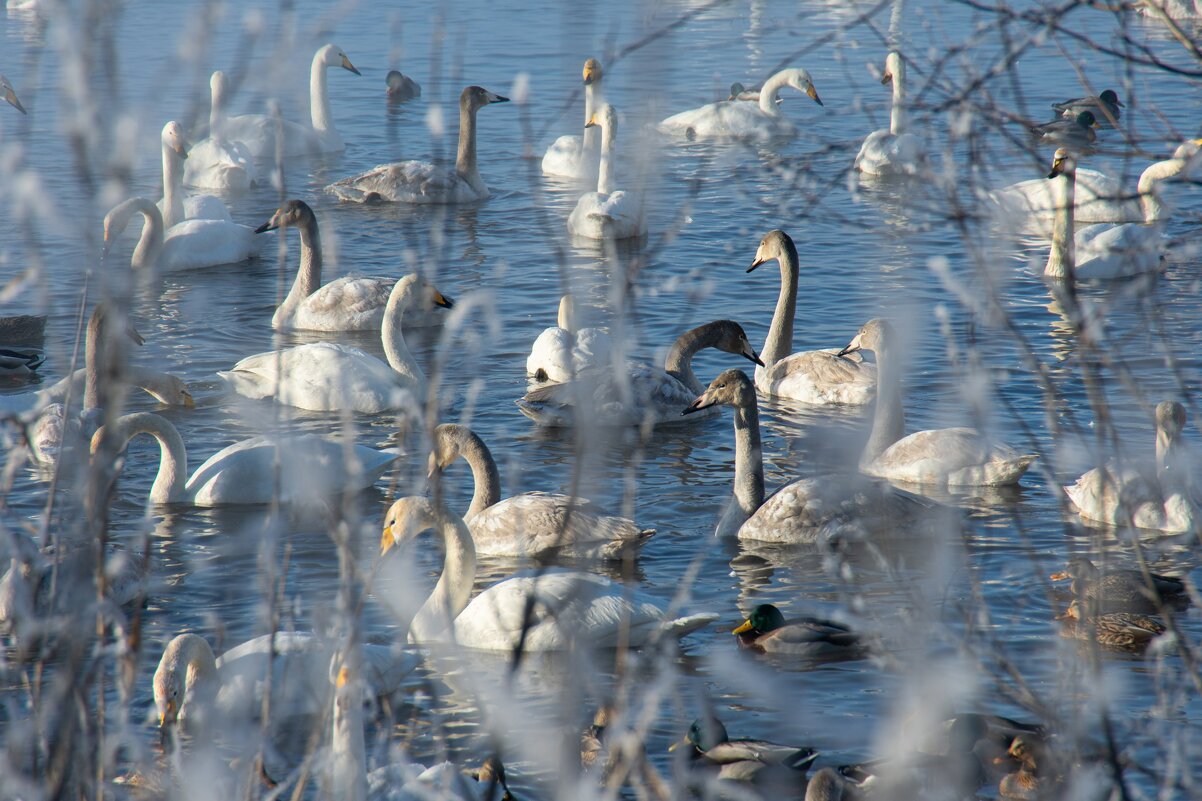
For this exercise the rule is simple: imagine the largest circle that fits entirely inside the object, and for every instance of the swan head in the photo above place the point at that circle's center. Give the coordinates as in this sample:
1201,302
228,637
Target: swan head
116,221
894,67
447,438
776,244
292,213
800,80
476,97
1111,98
1170,418
874,335
174,139
405,520
592,72
605,117
217,83
10,94
186,670
1063,162
730,388
333,56
729,336
170,390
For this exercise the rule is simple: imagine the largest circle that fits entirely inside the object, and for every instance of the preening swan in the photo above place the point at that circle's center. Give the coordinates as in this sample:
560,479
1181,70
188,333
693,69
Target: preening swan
219,162
174,206
945,457
607,213
1163,499
549,611
816,376
10,95
636,394
325,377
1105,107
401,87
826,507
533,524
1097,197
420,181
258,131
190,245
245,472
1097,252
895,151
562,351
733,119
1075,132
572,155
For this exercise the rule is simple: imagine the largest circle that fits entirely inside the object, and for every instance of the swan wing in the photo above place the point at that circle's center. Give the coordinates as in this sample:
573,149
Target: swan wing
1098,198
950,457
728,119
564,158
220,164
1106,252
642,393
540,524
193,244
406,182
884,153
257,133
350,303
617,215
819,377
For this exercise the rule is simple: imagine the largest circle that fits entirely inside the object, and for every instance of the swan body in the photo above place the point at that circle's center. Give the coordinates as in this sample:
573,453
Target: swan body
245,472
949,457
893,151
174,206
562,351
324,376
734,119
571,155
189,245
401,87
533,524
562,608
1160,500
818,376
819,509
258,131
607,213
636,394
422,182
219,162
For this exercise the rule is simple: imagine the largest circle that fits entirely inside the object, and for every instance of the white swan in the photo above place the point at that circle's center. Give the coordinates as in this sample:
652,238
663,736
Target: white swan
174,206
607,213
420,181
533,524
219,162
190,245
833,506
816,376
572,155
325,377
1099,198
10,95
733,119
1163,499
945,457
562,351
747,93
549,611
894,151
636,394
245,472
258,131
1097,252
401,87
163,387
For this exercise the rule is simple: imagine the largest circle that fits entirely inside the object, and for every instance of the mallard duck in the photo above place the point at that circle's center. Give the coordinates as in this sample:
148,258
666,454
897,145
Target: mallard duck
1075,132
743,759
1115,631
1105,107
594,750
1029,781
766,629
1123,590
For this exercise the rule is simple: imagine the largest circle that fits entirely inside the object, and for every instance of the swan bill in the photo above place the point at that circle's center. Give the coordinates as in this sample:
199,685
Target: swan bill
12,99
592,71
442,300
703,402
813,93
347,65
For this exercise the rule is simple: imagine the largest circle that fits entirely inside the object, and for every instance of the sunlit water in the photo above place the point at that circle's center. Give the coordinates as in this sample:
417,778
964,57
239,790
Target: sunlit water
864,252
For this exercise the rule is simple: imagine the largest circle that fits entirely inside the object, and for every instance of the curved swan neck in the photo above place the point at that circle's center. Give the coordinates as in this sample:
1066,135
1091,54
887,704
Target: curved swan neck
308,272
779,342
454,587
485,475
173,457
173,187
395,350
889,417
605,177
1061,259
95,362
897,116
769,92
465,160
1149,198
679,362
319,96
150,242
749,471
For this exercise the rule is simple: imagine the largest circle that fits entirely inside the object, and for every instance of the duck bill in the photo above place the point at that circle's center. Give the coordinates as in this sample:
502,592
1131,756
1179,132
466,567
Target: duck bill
677,745
744,627
1063,575
813,93
347,65
702,402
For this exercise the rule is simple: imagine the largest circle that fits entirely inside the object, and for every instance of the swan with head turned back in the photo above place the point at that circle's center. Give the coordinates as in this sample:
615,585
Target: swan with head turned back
174,205
894,151
325,377
562,351
420,181
607,213
944,457
258,131
733,119
245,472
219,162
533,524
825,507
816,376
190,245
1162,499
1098,198
10,95
1101,252
572,155
548,611
636,394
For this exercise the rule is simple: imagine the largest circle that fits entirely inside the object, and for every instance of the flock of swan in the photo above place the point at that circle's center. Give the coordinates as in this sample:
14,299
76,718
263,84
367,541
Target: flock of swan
579,376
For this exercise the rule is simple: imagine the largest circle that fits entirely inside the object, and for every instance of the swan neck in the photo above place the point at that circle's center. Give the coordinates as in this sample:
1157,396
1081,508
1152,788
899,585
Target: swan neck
173,457
319,97
465,160
770,91
308,273
889,417
897,115
679,362
1149,196
1060,257
150,242
485,476
454,587
605,176
749,470
395,350
592,102
348,768
779,343
216,111
173,188
95,362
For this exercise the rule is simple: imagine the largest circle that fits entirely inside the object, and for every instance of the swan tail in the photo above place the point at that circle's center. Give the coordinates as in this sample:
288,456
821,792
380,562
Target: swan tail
683,626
